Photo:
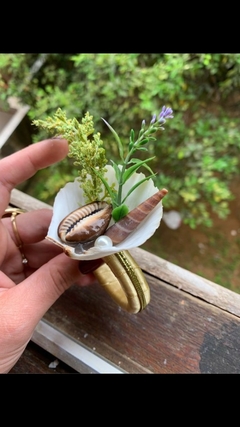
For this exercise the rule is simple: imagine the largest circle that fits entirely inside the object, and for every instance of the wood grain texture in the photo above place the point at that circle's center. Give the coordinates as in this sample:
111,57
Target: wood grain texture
188,281
176,333
35,360
18,198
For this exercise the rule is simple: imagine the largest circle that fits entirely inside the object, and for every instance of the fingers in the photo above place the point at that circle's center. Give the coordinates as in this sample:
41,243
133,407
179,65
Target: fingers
40,253
32,229
23,306
32,226
47,284
23,164
88,266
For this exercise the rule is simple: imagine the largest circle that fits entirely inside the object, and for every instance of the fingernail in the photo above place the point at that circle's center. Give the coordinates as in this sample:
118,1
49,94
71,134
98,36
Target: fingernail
88,266
57,137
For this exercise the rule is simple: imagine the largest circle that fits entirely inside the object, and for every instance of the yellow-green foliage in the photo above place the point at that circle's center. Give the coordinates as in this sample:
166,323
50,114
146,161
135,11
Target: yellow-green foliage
89,154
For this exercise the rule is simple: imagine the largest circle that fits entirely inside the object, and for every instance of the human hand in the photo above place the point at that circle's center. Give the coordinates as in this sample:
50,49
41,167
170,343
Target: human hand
27,291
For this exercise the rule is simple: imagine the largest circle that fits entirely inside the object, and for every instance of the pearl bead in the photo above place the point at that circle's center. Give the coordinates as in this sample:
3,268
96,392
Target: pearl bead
103,242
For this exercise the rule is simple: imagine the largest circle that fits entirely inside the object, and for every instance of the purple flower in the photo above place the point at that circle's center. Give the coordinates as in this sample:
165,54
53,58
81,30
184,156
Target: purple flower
153,119
166,113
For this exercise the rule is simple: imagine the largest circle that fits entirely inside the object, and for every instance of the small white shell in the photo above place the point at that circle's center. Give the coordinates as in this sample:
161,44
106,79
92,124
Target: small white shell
70,197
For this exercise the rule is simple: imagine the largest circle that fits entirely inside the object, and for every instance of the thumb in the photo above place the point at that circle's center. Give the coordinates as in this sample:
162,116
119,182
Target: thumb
39,291
24,305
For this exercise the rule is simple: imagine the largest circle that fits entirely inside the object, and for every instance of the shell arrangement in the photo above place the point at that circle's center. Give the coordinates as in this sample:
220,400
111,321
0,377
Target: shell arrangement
88,231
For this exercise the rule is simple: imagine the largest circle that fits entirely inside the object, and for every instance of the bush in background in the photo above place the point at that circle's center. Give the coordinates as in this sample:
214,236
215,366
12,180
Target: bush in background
197,156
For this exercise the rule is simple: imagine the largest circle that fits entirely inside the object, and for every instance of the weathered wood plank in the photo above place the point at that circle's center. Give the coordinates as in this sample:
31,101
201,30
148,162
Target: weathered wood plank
35,360
24,201
175,333
188,281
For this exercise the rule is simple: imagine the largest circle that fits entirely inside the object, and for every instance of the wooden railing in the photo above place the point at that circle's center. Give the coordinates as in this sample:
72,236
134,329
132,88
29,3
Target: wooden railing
191,324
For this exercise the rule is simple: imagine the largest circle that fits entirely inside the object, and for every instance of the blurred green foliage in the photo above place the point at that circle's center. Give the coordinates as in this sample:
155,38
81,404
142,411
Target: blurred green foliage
197,156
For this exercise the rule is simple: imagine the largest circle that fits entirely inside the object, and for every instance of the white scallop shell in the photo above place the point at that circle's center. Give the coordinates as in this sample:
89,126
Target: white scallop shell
70,197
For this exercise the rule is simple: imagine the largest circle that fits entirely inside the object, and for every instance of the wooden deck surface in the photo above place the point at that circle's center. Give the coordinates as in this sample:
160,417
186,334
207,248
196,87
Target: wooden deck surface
191,325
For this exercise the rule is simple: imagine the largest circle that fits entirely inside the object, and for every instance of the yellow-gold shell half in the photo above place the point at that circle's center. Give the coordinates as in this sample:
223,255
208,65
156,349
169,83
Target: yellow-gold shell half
85,223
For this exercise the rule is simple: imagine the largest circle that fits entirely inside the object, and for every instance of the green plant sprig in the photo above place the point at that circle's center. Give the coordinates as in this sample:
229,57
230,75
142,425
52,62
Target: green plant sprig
90,155
130,164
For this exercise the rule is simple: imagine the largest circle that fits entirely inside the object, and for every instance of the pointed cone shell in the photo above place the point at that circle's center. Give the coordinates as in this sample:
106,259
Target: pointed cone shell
121,229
